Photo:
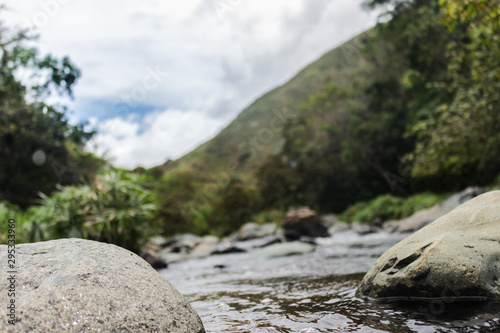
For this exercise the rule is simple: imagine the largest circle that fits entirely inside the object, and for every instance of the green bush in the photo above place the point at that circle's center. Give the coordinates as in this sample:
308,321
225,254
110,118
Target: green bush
384,207
388,207
114,209
9,211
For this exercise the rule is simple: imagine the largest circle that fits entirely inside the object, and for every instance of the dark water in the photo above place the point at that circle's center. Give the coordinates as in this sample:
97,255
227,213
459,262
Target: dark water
314,292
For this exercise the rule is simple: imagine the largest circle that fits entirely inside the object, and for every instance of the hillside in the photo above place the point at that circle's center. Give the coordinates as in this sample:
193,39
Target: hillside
256,131
400,109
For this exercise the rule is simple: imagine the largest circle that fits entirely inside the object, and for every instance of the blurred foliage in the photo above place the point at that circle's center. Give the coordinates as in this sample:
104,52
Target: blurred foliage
217,208
234,206
35,136
462,138
176,215
425,118
115,208
408,106
9,211
387,207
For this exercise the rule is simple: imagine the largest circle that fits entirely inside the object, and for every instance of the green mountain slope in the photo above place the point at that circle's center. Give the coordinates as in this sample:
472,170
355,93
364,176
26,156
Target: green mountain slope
399,109
256,132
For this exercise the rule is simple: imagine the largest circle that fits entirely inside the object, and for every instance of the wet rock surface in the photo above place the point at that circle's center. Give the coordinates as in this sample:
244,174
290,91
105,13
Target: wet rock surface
78,285
456,256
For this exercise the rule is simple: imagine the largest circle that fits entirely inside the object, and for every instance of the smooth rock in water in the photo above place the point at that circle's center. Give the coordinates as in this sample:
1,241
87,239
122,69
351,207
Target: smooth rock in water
253,230
158,241
248,231
170,258
303,222
285,249
363,228
258,243
339,226
75,285
328,220
227,248
182,243
206,247
422,218
458,255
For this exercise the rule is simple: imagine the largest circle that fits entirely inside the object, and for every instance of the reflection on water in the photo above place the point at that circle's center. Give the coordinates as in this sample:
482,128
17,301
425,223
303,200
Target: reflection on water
314,293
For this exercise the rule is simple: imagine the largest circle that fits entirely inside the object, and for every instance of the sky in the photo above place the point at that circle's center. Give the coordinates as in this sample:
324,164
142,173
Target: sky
161,77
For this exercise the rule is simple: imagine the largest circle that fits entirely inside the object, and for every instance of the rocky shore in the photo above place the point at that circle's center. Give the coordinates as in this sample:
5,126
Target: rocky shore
299,233
78,285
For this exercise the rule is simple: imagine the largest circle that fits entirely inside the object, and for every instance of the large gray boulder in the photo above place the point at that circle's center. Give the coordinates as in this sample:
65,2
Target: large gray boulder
75,285
458,255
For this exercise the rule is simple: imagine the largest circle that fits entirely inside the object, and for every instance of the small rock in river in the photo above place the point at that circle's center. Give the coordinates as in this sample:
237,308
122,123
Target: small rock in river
286,249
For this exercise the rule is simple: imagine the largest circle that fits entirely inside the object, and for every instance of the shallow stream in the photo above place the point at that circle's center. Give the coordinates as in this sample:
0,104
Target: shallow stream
314,292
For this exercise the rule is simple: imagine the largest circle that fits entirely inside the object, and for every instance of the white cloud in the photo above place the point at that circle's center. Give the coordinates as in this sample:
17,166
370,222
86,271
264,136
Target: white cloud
218,60
159,136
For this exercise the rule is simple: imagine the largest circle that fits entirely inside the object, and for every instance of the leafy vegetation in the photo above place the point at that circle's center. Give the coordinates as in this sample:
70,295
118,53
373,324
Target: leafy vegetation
387,207
424,119
115,208
35,136
462,138
407,107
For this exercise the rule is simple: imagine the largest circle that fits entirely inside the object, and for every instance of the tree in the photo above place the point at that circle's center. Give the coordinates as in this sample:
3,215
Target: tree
34,136
461,140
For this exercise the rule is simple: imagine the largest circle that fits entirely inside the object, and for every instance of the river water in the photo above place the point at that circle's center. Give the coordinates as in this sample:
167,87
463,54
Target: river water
314,292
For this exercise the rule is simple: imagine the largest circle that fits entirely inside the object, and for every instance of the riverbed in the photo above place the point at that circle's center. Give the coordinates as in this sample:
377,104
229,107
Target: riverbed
314,292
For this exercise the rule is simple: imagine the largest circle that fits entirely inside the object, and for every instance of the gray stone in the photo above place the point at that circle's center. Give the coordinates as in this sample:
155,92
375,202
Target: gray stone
328,220
267,229
362,228
257,242
227,248
158,241
285,249
170,258
248,231
76,285
390,226
206,247
422,218
253,230
182,243
458,255
339,226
